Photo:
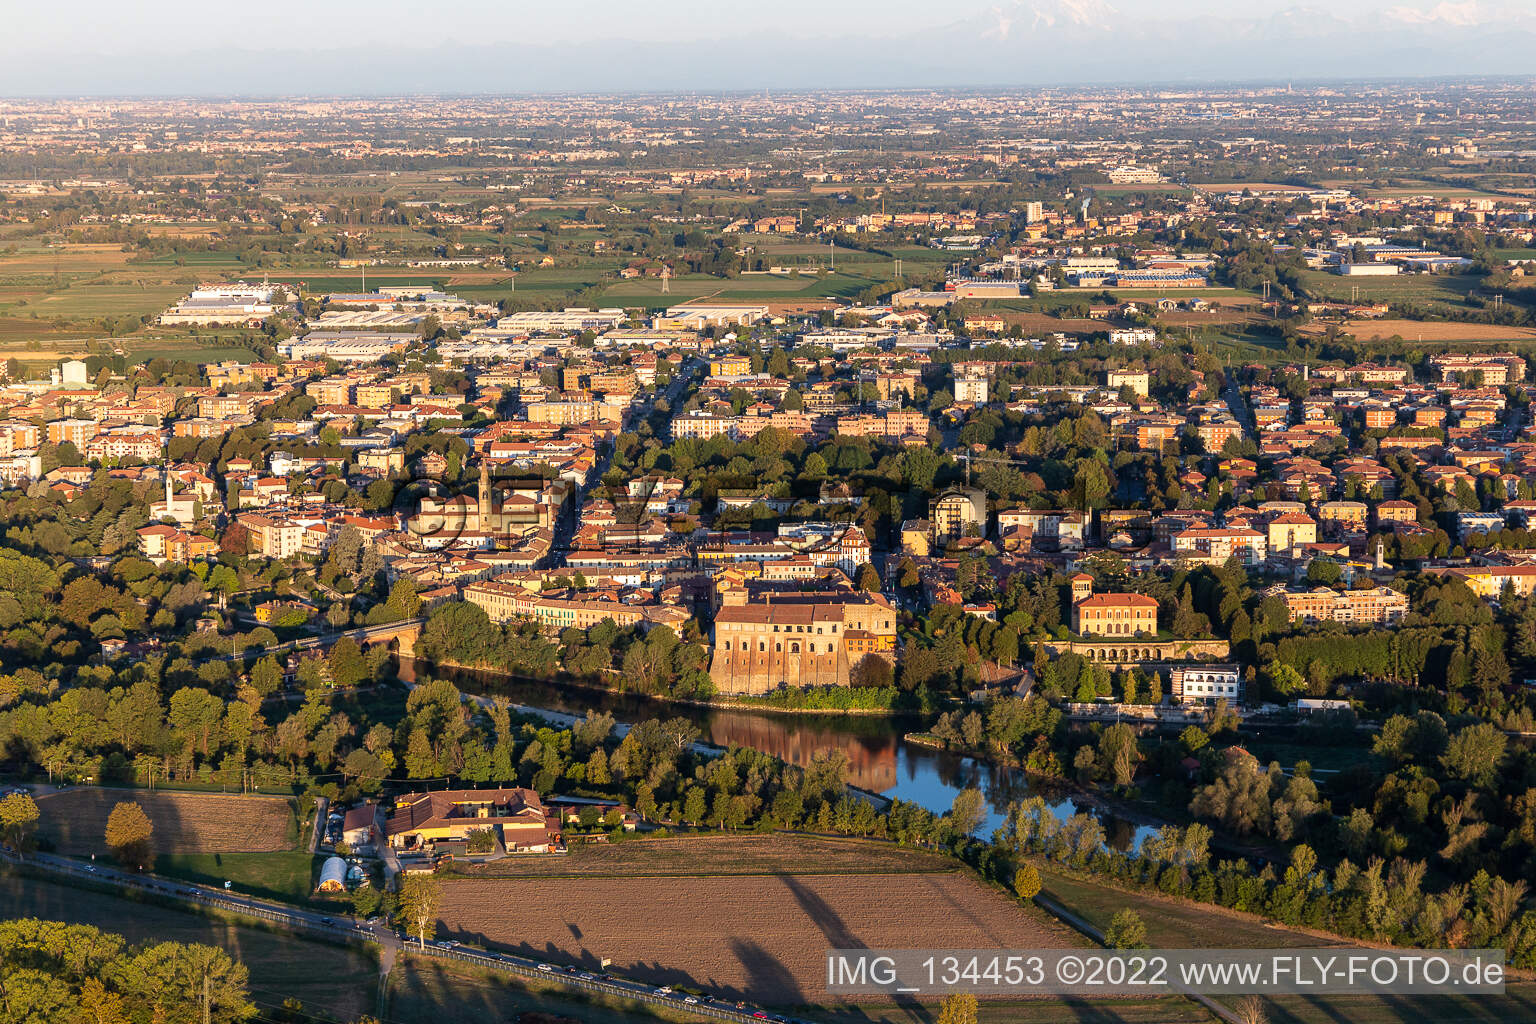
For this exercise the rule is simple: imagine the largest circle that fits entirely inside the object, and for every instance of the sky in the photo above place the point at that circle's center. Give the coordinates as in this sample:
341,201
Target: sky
157,46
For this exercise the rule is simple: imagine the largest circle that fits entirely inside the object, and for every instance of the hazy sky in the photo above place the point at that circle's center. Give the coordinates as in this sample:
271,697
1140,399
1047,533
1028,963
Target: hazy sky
34,28
411,46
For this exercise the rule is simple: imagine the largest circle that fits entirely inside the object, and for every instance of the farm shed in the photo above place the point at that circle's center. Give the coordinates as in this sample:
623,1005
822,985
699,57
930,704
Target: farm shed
333,875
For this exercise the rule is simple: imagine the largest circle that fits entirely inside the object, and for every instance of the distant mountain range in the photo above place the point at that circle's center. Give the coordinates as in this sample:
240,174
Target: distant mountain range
1013,42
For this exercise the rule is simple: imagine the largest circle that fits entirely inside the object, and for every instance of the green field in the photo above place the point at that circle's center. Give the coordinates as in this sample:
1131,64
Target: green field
1172,924
287,875
196,259
1404,287
97,300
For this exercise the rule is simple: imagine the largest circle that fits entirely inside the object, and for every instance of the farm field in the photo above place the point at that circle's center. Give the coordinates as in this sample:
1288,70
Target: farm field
1420,330
1172,924
75,820
1518,1003
430,992
33,259
723,855
759,936
331,980
97,299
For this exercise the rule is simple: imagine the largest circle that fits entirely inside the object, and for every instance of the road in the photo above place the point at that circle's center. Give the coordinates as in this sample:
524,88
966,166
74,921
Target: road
345,930
565,528
1238,406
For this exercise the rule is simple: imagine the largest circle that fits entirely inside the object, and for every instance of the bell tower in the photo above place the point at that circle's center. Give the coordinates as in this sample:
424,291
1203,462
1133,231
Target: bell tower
484,507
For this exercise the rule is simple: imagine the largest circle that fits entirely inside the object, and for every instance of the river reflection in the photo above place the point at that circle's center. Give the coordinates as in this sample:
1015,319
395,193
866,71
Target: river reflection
879,760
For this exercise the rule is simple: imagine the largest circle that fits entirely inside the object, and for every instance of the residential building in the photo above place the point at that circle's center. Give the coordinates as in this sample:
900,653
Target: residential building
1115,615
516,816
1378,606
1206,684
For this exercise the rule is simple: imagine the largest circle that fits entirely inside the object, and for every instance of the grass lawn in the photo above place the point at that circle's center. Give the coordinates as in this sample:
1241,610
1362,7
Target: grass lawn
1171,924
1402,288
286,875
333,981
1326,758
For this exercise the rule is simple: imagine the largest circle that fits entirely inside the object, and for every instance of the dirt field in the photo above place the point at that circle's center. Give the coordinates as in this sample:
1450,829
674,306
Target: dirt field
764,937
76,819
1414,330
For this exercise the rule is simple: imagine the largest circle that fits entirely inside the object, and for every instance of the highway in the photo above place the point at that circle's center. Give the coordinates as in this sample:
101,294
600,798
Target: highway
346,930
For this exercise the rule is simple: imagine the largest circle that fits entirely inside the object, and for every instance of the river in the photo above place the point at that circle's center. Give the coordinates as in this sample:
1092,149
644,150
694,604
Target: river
879,759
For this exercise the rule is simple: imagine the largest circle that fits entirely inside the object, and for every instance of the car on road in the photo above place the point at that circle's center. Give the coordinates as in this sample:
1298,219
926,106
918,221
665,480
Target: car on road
690,999
665,990
546,968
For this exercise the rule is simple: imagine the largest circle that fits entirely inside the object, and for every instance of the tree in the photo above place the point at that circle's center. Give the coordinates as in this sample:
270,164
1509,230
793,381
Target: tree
419,898
1323,572
968,811
1474,754
18,819
173,978
130,836
1239,797
266,676
1126,931
868,579
347,664
959,1008
1026,882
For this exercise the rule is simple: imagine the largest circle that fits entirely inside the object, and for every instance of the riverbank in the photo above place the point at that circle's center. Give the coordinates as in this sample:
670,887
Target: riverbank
744,703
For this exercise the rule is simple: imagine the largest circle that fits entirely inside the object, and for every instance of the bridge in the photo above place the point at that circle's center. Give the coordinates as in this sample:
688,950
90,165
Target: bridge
400,636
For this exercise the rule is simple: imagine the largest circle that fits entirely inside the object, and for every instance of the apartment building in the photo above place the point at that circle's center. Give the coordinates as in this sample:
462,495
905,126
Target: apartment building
956,512
273,537
1377,606
1217,544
